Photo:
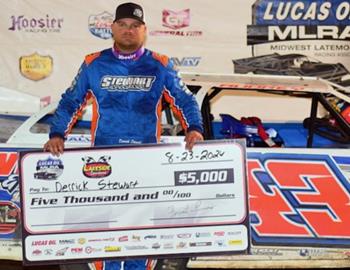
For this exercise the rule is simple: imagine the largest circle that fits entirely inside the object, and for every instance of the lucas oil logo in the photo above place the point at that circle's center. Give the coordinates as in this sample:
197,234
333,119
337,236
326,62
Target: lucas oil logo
97,169
275,21
48,169
127,83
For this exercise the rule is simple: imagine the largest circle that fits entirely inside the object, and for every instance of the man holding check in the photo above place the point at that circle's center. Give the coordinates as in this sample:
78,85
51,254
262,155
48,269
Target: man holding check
126,84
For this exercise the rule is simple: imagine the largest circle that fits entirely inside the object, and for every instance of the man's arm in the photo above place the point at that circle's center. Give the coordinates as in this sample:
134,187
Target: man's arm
184,106
71,103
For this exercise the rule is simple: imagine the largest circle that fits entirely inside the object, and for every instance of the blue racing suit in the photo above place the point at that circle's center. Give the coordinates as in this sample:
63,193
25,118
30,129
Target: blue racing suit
127,99
126,96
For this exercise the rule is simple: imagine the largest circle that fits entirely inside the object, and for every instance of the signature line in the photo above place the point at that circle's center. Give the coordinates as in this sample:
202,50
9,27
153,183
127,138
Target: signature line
192,217
192,162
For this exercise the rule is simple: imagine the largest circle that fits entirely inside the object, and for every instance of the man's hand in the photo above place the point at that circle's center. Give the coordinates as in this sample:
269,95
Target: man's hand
55,146
192,137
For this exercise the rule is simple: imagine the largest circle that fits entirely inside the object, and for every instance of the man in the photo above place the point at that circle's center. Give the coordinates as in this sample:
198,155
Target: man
126,84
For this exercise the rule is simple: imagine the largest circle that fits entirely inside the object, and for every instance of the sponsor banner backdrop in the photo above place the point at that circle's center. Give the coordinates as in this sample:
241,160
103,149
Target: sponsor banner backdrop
200,36
309,38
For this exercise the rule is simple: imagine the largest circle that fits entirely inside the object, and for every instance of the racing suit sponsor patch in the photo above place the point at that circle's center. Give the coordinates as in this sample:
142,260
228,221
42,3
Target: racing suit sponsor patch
127,83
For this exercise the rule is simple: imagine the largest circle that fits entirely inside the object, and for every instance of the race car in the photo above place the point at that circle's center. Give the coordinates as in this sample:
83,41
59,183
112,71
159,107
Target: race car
213,92
300,197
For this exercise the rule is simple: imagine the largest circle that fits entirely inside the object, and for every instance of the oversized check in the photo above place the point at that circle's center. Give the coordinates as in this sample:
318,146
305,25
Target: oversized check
134,201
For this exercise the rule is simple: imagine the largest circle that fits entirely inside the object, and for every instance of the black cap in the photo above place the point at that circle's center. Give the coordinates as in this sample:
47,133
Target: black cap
129,10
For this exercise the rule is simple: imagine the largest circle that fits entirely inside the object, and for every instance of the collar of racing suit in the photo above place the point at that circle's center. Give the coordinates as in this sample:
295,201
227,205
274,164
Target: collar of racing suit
128,56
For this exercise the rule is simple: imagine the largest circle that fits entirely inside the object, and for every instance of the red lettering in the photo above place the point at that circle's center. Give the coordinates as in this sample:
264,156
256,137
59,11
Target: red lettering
271,207
8,163
325,190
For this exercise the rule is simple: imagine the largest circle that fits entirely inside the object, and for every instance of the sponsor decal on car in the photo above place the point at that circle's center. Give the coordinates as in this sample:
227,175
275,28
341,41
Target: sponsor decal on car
310,206
9,195
9,216
266,251
9,171
306,252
